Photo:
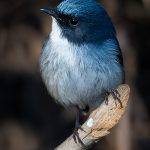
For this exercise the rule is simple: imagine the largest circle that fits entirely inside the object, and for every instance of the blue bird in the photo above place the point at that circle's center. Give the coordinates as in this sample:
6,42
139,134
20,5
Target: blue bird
81,60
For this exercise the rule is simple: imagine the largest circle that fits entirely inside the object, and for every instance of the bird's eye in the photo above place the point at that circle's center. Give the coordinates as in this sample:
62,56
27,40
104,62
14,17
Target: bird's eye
73,22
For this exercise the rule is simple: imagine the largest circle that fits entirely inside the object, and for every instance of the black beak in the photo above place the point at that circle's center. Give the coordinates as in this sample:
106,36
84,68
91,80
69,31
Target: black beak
49,11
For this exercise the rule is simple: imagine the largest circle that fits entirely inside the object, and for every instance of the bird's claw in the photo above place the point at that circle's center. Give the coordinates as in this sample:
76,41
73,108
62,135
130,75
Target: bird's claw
76,137
116,95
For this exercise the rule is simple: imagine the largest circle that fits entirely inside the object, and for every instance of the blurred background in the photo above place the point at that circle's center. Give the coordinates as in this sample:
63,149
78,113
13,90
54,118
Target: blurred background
29,119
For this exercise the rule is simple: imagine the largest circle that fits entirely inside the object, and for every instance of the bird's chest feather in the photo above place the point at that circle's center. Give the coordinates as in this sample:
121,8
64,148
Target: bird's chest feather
74,73
67,68
71,74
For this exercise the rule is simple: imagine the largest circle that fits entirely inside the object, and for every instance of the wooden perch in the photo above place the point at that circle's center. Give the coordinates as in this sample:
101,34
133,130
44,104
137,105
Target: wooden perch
99,122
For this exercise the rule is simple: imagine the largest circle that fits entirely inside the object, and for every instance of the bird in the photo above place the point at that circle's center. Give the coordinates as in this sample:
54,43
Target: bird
81,60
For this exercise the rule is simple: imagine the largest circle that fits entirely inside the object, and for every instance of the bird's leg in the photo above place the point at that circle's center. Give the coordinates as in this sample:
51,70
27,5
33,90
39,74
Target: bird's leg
77,123
77,126
115,95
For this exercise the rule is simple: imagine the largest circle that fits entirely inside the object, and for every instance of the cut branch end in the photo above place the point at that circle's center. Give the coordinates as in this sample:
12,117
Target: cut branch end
100,121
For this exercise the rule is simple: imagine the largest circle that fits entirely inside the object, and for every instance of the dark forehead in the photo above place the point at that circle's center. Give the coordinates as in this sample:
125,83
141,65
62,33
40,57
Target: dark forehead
64,16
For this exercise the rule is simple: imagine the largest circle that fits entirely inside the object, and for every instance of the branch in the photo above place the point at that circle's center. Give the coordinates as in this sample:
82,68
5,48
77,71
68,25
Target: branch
100,121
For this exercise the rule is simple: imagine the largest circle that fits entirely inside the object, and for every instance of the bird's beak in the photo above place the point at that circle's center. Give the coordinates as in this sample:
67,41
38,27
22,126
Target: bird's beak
49,11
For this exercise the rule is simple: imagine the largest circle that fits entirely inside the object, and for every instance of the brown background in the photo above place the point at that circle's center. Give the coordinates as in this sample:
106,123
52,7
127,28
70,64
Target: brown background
29,119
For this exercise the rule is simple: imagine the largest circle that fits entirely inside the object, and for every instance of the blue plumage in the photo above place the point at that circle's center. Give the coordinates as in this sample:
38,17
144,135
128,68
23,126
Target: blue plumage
81,59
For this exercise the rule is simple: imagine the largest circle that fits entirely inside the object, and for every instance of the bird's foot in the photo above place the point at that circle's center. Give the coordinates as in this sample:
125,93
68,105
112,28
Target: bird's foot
115,95
76,137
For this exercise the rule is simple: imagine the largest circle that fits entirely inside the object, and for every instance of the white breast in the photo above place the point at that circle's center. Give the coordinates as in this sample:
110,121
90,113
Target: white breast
61,44
72,76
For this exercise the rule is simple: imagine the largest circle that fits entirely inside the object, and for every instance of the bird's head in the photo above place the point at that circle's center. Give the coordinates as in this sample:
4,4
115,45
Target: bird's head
82,21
